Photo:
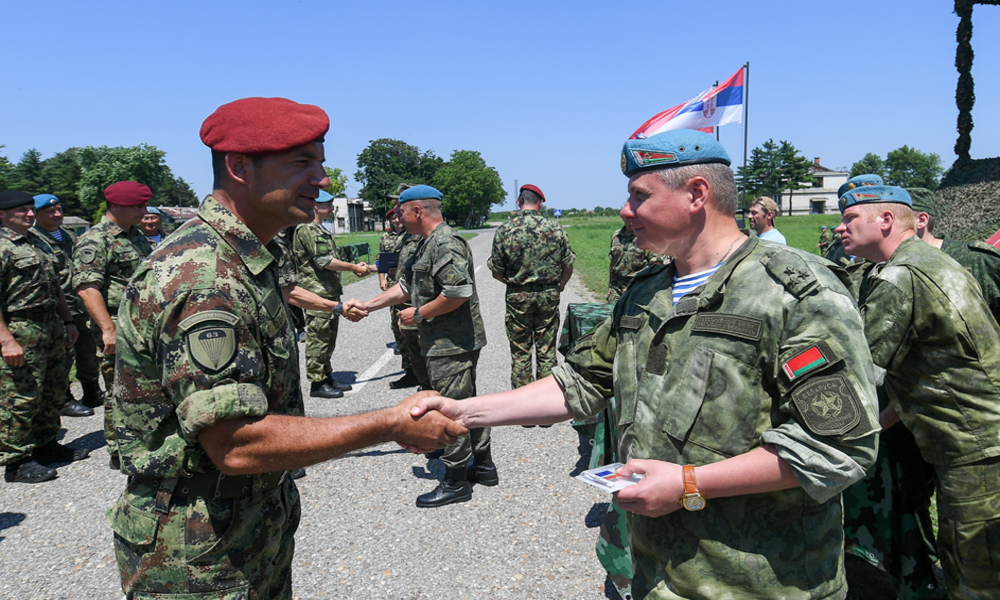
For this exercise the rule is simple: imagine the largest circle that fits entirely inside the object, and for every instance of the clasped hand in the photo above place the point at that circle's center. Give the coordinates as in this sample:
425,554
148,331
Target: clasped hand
354,310
424,431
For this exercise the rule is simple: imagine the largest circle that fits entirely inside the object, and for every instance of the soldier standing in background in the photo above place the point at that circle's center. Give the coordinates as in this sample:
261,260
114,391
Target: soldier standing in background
152,225
441,283
532,257
318,266
627,259
389,244
824,239
104,259
407,247
59,241
36,327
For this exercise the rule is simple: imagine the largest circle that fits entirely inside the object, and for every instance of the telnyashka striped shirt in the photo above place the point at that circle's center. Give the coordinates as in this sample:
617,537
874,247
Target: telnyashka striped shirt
684,285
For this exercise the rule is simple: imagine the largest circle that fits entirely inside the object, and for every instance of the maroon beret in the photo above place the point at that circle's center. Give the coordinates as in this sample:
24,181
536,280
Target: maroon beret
263,126
128,193
533,188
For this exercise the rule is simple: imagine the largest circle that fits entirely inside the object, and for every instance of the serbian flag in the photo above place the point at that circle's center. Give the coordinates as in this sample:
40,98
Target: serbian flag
719,105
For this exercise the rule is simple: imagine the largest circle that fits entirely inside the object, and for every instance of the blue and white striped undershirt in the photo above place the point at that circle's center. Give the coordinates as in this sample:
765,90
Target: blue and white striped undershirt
684,285
57,234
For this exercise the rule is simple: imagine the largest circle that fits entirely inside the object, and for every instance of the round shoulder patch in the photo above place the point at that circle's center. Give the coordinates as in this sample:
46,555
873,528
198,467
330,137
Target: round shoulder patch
87,255
212,348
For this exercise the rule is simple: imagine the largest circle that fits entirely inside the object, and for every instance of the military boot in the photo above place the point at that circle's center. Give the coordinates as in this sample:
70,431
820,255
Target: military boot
483,471
27,470
71,408
454,488
323,389
344,387
92,394
54,452
409,379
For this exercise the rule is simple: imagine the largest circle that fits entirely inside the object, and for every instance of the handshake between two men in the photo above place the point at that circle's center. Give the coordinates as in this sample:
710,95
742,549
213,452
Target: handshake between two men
355,310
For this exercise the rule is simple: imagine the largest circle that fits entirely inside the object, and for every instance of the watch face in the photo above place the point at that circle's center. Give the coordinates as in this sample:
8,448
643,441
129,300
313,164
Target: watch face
694,502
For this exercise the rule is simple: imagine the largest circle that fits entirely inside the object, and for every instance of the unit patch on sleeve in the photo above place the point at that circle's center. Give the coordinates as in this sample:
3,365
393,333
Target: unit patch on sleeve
827,405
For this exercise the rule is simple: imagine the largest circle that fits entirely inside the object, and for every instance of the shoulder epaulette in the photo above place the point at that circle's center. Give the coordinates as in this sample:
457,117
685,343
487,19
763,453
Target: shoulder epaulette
792,271
984,248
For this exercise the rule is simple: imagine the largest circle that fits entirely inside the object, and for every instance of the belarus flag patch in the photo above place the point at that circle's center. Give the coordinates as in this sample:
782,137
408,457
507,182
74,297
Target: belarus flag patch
804,362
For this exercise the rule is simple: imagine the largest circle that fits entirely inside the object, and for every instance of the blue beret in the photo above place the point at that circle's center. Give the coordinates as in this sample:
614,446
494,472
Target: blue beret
14,199
675,148
45,200
420,192
153,210
856,182
324,196
875,194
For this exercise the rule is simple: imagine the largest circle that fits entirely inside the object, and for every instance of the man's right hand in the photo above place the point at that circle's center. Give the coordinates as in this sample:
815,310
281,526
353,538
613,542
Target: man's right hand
13,354
108,337
428,430
354,310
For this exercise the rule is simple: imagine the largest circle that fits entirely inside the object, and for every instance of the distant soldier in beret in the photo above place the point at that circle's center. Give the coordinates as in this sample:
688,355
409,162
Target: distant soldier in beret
744,392
36,327
761,216
824,239
152,225
440,281
407,246
318,267
59,241
835,252
930,329
532,257
626,259
104,259
392,242
208,404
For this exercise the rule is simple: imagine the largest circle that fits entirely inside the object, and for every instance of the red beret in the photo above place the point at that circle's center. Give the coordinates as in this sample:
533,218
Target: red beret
533,188
263,126
128,193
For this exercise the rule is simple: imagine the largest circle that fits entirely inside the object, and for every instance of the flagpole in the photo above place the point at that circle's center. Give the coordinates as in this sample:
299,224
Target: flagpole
746,123
716,127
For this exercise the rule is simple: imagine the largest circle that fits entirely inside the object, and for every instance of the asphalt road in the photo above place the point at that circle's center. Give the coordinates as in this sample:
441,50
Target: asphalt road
361,535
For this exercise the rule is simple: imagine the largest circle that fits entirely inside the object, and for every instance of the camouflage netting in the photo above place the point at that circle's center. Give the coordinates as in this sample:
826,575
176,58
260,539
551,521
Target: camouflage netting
969,200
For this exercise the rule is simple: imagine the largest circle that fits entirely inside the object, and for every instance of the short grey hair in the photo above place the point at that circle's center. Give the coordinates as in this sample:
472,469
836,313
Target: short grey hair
719,177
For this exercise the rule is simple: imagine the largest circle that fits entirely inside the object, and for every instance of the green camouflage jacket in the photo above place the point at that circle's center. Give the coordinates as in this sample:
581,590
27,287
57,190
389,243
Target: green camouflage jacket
28,278
286,261
203,336
983,261
627,259
62,253
930,329
107,256
314,248
388,241
769,351
530,250
443,266
406,246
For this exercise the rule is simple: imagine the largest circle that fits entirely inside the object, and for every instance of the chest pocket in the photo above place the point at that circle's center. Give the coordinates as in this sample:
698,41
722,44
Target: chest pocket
423,282
126,259
630,366
26,261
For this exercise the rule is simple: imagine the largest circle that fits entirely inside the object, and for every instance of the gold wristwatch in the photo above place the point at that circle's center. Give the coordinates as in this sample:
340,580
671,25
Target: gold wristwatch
692,498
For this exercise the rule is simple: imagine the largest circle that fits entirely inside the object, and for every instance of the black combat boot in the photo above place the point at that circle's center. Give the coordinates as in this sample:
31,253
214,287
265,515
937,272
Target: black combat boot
344,387
454,488
71,408
408,380
27,470
483,471
323,389
54,452
92,394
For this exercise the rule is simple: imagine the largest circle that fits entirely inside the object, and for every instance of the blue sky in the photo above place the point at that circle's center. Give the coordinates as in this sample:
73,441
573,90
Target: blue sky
545,91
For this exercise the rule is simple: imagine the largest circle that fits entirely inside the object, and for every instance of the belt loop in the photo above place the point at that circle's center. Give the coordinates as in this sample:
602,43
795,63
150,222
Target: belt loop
163,494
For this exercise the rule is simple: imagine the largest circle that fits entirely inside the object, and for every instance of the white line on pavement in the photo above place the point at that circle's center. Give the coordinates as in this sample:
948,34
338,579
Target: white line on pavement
372,371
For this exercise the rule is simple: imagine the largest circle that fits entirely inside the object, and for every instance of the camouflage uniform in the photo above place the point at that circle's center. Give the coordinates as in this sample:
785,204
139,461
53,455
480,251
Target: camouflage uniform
449,343
30,395
204,336
85,348
716,376
929,327
824,241
627,259
107,256
530,253
407,247
983,261
388,243
314,249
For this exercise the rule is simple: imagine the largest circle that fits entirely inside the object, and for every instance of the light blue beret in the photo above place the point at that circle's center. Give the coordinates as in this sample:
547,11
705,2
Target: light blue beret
420,192
675,148
153,210
324,196
856,182
875,194
45,200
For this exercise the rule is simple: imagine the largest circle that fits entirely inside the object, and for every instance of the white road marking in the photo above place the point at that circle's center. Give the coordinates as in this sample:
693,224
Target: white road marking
477,269
372,371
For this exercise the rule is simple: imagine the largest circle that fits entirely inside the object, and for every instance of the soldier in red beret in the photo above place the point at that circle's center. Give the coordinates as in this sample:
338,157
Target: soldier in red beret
208,406
104,259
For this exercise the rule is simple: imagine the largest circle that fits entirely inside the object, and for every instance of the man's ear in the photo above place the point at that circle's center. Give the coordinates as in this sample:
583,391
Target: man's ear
886,219
239,166
699,189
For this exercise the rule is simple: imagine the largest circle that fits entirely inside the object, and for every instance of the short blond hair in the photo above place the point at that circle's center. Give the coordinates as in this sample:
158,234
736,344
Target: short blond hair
901,213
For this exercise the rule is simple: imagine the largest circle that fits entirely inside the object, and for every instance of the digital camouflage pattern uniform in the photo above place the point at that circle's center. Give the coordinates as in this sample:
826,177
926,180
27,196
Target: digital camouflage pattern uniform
627,259
824,241
530,253
204,336
931,330
407,246
983,261
768,351
30,395
314,248
107,255
85,349
388,243
449,343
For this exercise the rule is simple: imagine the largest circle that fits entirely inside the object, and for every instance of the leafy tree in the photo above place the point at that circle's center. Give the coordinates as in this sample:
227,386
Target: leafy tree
386,163
61,174
470,187
870,164
772,169
6,168
909,167
102,166
338,182
27,175
173,191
